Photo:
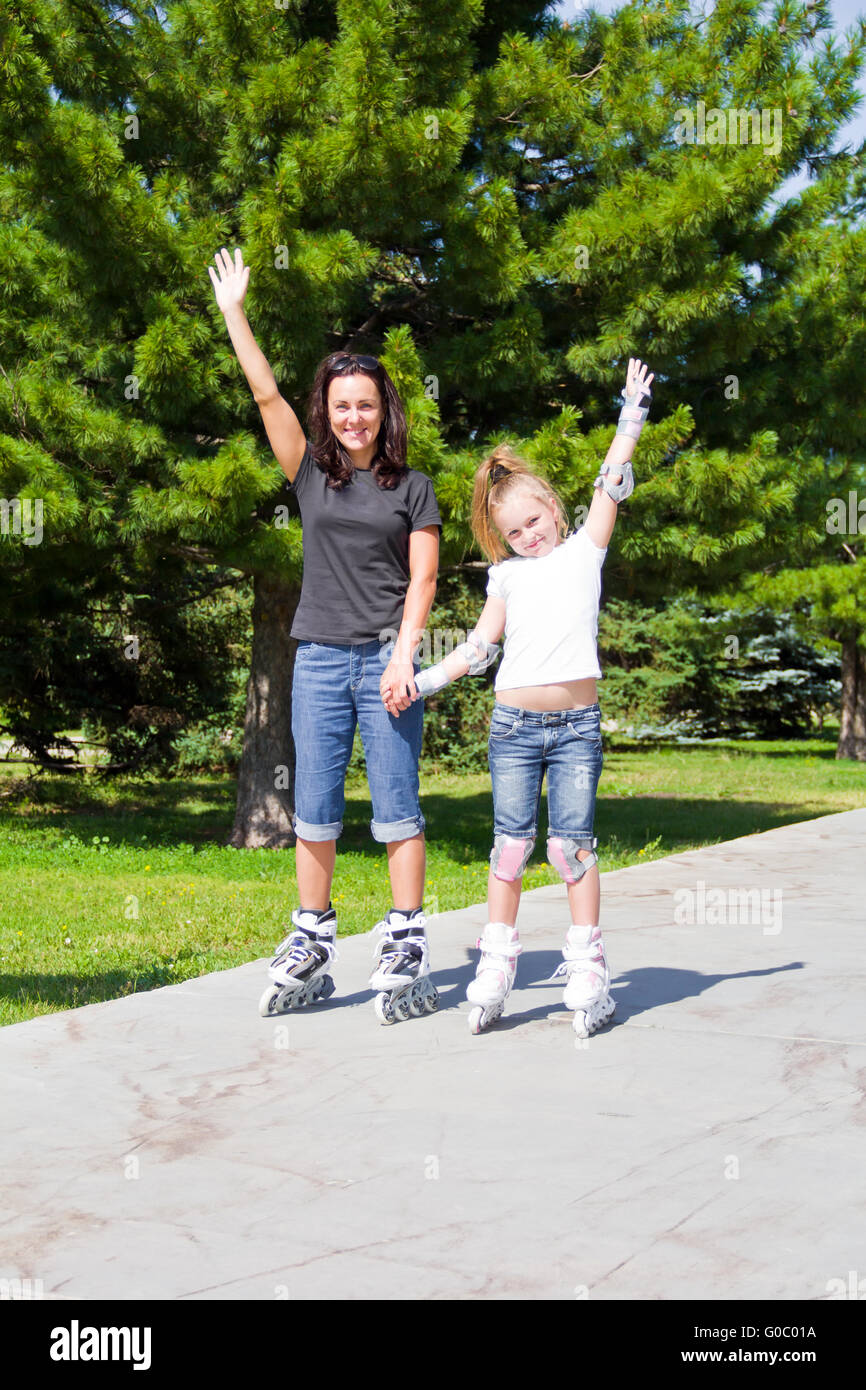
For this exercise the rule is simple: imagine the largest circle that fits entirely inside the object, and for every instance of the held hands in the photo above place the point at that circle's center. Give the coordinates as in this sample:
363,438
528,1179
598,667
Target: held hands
472,657
397,686
231,286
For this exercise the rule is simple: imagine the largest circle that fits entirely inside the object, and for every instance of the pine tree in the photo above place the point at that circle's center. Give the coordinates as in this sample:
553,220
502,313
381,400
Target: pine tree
823,385
504,216
752,314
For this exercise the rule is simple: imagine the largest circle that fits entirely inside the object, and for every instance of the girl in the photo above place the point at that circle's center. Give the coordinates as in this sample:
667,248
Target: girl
371,548
546,716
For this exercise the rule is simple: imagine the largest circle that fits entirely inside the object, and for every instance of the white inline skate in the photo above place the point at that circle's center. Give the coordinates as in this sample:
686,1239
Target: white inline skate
299,969
587,987
494,975
402,969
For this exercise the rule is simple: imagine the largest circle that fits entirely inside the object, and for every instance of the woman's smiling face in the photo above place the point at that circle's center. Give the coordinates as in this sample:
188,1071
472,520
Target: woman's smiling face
528,524
355,411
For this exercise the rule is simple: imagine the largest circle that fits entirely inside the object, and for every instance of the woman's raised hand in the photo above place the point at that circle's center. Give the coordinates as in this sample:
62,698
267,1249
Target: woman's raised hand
231,286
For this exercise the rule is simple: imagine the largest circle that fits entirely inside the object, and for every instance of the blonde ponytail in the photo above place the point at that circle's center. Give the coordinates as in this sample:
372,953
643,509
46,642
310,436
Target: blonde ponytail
502,474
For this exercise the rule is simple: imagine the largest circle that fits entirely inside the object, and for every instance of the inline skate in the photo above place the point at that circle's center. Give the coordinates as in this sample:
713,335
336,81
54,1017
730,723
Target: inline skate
401,973
587,987
299,969
494,975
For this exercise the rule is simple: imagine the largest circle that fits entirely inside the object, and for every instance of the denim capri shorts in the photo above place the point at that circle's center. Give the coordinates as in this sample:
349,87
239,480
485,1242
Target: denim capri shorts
523,744
335,688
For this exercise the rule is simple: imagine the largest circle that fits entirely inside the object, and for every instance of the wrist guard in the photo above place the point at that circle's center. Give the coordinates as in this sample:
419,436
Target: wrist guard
433,678
617,491
634,412
475,650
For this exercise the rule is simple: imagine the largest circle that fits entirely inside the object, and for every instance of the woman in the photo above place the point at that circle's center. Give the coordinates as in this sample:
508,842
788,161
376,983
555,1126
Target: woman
371,549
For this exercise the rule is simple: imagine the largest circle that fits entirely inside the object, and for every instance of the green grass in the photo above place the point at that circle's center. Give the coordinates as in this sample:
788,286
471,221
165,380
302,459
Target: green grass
110,888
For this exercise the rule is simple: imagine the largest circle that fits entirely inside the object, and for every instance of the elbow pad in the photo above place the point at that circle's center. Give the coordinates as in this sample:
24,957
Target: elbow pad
617,491
478,653
475,650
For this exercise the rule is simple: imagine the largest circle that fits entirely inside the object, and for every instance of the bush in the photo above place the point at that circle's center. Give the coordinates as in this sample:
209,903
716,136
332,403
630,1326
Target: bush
190,683
686,669
211,746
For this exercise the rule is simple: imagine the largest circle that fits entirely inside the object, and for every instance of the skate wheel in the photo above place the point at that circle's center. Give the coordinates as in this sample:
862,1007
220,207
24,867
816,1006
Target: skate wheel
403,1008
382,1008
475,1019
328,987
431,1002
589,1021
416,1005
269,1004
322,988
267,1001
604,1014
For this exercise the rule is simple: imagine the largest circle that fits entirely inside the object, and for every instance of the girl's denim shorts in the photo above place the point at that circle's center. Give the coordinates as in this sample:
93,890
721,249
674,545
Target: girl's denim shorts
523,745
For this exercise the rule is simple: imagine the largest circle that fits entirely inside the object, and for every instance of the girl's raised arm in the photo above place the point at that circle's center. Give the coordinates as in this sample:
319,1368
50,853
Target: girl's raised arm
284,431
615,481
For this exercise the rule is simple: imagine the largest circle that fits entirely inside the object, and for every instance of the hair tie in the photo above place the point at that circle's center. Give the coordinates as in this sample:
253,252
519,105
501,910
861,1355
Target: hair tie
498,472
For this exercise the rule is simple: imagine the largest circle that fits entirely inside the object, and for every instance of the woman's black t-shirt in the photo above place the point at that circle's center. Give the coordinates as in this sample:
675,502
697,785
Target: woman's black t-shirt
356,552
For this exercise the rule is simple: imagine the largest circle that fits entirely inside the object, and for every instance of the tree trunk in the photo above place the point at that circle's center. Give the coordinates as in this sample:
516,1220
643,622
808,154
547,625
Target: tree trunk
265,801
852,731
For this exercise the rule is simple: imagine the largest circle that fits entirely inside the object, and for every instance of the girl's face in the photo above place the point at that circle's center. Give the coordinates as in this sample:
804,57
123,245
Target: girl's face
528,524
355,410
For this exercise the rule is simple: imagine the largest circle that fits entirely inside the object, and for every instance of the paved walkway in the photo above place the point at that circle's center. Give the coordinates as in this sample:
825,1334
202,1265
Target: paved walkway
707,1145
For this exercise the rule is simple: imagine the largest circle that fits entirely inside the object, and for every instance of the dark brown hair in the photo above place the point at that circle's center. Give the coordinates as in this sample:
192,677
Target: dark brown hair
389,460
503,474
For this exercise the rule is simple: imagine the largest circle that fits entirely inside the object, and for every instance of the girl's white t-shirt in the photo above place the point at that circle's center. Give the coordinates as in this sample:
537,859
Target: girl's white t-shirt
551,613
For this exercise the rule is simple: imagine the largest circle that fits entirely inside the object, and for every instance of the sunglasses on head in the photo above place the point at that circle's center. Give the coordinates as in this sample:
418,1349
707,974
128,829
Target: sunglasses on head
369,364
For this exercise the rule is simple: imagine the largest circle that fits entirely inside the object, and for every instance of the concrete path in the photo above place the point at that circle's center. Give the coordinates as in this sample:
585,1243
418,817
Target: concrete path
706,1145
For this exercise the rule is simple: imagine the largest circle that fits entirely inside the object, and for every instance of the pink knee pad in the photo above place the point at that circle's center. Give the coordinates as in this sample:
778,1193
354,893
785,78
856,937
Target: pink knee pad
562,854
509,857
